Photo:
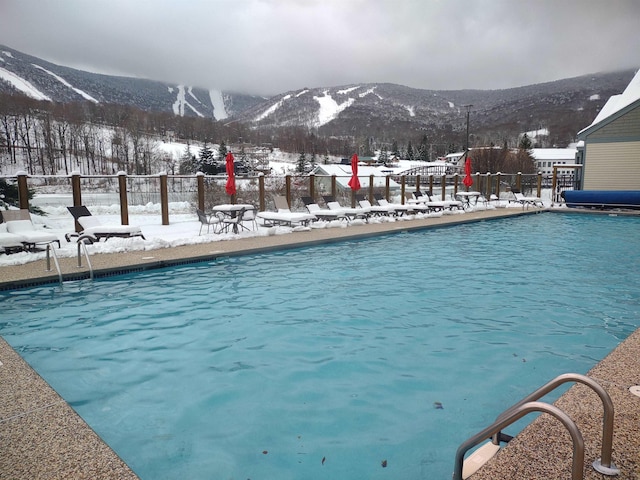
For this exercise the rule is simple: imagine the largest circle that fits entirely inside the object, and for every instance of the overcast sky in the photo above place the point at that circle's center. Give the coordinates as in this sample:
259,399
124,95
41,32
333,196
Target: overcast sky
273,46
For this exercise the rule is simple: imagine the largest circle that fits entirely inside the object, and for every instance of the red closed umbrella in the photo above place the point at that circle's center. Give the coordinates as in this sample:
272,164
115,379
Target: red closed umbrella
468,181
354,183
231,180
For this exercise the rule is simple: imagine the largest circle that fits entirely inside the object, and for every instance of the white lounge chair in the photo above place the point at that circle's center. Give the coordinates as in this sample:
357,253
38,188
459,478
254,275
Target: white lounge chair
93,227
399,208
10,242
423,204
322,213
436,204
377,210
19,223
284,216
350,213
526,201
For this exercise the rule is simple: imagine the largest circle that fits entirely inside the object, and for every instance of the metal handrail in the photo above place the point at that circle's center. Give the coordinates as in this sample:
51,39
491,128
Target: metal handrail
55,260
604,464
514,414
82,245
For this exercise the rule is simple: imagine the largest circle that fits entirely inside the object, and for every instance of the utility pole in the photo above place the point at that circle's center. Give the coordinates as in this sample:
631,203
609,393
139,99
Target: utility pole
466,148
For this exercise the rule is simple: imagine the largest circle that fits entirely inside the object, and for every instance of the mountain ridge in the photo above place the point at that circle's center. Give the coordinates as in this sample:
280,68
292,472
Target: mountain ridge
384,111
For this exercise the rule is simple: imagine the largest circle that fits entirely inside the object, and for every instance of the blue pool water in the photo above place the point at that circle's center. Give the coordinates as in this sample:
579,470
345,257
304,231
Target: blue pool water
322,362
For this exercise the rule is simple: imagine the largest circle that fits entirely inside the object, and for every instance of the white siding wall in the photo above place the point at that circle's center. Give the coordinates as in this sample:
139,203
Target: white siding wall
612,166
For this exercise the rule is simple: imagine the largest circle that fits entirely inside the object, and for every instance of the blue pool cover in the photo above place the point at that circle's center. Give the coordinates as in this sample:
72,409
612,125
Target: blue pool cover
602,198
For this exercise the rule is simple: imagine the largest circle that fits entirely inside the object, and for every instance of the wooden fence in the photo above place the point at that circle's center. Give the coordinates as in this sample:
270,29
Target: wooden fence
293,187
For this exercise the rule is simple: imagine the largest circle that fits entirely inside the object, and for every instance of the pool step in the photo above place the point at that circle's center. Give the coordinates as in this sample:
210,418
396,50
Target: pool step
477,459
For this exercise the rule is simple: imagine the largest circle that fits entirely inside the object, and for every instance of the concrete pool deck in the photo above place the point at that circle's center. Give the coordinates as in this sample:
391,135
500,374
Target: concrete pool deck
42,437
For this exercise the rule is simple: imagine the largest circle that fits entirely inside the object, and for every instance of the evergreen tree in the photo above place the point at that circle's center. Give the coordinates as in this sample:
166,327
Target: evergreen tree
222,150
525,143
394,147
384,156
187,162
302,163
409,151
423,149
525,162
206,162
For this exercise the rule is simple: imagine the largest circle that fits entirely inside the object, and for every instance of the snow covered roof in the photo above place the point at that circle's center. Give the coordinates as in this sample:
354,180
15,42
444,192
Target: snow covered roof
616,103
554,153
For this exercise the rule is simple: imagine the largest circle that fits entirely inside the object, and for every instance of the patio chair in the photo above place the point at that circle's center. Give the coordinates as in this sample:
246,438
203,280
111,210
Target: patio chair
209,221
92,227
18,222
250,216
525,201
234,222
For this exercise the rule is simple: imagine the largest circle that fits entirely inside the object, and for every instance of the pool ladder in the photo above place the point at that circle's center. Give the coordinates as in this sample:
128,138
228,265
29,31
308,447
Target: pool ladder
529,404
82,249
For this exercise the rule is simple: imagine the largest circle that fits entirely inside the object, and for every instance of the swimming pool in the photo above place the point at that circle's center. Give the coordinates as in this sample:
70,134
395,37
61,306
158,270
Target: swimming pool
322,362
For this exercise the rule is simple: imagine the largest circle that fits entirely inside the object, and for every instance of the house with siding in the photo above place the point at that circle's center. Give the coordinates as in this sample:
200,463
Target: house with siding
548,158
609,148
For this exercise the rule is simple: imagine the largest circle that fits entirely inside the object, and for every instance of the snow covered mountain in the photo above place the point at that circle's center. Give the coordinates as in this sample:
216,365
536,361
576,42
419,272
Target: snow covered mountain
381,110
560,107
43,80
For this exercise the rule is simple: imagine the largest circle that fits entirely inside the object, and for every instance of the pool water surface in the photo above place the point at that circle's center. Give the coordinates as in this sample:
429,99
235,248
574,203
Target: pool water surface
361,359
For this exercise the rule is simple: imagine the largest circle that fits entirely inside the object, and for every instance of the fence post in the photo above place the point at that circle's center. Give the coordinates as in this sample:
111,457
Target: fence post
312,186
387,189
539,190
124,206
431,184
402,189
443,186
519,181
200,183
164,198
261,191
417,182
333,186
23,190
371,189
554,184
498,185
488,188
76,195
287,189
455,183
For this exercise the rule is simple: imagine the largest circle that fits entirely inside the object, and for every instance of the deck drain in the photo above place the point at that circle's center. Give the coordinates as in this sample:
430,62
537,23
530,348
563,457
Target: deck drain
635,389
148,258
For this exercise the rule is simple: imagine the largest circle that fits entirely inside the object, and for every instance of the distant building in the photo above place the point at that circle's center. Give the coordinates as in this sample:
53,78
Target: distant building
546,158
343,175
610,146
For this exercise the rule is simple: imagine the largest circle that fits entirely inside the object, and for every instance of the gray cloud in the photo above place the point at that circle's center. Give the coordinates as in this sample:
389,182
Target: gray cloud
272,46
